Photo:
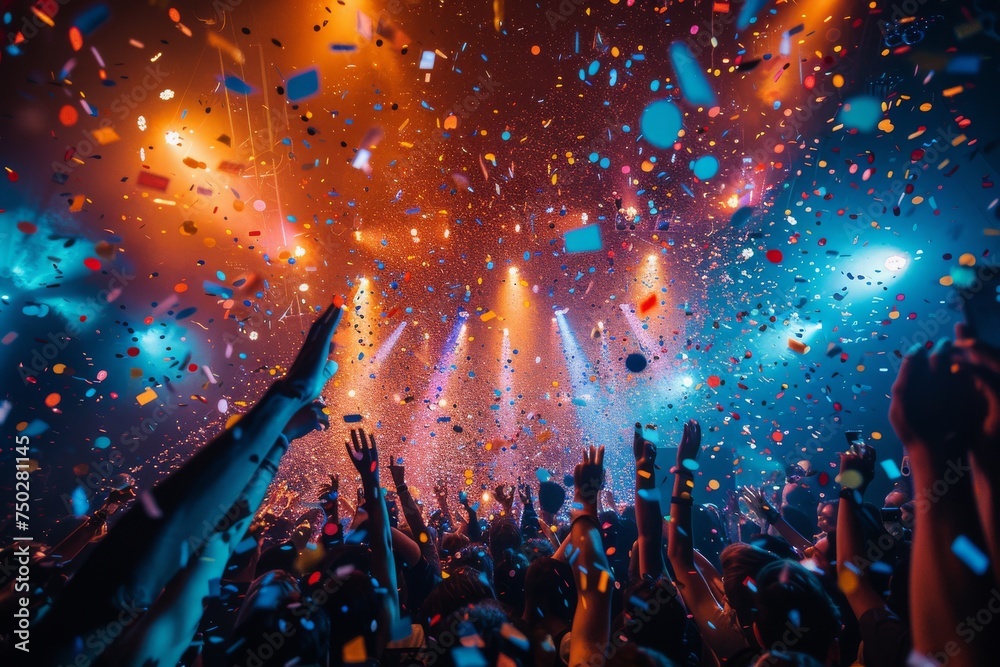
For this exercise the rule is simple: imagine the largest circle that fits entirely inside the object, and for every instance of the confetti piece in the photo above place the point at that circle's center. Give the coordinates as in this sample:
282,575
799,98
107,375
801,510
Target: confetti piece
635,362
970,554
146,396
352,419
693,84
303,85
891,469
861,113
583,239
237,85
797,346
661,123
705,167
152,181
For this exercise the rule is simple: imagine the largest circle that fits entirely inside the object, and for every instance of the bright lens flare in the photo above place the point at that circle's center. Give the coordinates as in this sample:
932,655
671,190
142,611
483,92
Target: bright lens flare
895,263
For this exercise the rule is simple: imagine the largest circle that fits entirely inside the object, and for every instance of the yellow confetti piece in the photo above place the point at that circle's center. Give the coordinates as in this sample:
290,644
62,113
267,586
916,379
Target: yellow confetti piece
487,316
105,135
146,396
951,92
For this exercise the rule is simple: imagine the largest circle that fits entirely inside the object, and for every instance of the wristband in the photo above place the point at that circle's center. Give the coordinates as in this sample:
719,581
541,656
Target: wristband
681,500
282,442
270,467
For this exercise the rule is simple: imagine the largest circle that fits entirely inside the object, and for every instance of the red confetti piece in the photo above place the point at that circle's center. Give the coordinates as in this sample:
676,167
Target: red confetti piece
92,263
714,381
27,227
774,256
647,304
132,352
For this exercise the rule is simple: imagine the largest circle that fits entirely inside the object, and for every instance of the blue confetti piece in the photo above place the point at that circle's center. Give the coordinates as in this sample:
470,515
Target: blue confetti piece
186,313
92,19
692,80
891,469
352,419
238,85
748,13
660,123
861,113
970,554
584,239
303,85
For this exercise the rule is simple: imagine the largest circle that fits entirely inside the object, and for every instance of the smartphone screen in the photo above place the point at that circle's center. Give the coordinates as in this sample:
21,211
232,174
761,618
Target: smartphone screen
650,434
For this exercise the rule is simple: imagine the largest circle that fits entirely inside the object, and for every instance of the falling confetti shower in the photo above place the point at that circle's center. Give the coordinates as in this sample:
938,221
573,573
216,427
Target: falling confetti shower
547,221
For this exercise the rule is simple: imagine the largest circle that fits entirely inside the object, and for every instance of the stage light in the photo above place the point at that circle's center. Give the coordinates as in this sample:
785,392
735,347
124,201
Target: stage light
300,251
895,263
687,382
506,332
733,201
651,259
304,287
512,270
173,137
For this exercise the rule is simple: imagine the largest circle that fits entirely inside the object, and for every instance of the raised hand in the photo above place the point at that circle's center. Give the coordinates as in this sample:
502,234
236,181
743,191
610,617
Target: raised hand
364,456
398,472
313,368
331,490
857,467
441,491
758,505
505,496
690,446
643,450
312,417
588,478
524,493
934,401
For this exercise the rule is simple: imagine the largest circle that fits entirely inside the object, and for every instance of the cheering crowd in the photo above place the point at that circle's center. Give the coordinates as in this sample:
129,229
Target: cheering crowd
782,575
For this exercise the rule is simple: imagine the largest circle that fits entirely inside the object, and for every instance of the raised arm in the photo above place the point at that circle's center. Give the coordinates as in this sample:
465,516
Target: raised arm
648,516
934,404
165,631
364,456
414,518
722,637
852,566
150,544
529,520
983,363
757,501
594,580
